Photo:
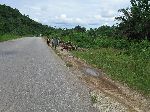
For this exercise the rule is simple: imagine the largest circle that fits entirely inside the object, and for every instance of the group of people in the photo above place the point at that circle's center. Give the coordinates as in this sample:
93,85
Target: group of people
54,42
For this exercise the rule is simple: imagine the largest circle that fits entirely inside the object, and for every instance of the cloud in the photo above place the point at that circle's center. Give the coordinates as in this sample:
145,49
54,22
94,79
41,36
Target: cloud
63,18
69,13
98,17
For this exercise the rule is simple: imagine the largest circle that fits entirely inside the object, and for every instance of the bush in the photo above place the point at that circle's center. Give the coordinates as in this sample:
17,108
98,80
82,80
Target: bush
8,37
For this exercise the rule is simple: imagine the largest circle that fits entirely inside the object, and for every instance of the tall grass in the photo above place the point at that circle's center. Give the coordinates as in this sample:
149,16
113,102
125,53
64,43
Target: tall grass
129,65
7,37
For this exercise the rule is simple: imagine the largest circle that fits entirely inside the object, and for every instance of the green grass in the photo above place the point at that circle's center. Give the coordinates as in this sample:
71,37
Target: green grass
94,99
8,37
132,69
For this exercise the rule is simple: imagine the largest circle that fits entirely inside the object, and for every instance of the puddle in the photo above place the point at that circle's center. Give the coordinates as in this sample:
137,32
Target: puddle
91,71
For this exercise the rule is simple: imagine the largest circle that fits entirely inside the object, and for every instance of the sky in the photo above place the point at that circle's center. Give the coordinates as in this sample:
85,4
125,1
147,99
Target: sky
70,13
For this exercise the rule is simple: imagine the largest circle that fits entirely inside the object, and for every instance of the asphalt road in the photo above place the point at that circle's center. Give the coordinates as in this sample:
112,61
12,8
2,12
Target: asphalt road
34,79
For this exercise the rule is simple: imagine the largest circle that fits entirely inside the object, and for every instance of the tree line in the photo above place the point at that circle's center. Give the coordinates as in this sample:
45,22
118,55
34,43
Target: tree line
134,24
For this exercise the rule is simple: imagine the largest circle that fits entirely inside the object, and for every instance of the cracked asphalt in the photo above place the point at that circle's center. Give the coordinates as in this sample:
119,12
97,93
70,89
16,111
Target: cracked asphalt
34,79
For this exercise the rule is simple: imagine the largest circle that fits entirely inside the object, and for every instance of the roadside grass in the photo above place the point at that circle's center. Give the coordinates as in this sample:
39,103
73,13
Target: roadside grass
94,99
7,37
132,69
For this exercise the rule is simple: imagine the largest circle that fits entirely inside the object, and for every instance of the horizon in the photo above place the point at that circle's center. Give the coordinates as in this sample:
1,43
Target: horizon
68,14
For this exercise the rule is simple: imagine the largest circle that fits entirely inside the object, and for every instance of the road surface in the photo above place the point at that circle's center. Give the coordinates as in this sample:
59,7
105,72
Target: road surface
34,79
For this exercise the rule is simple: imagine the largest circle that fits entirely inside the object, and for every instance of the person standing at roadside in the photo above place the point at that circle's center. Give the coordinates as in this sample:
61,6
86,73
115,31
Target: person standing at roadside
55,40
58,40
48,41
52,42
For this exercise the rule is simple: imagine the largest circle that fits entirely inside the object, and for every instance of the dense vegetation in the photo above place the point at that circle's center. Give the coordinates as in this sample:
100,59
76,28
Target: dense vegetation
135,22
14,23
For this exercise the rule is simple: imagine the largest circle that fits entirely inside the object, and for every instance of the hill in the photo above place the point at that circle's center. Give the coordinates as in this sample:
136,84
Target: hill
13,22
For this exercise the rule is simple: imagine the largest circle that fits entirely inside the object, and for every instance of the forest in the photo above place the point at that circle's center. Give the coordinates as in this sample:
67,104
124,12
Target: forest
122,50
14,23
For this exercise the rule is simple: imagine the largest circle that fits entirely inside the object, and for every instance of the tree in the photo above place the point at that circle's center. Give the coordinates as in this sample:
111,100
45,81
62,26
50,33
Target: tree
80,29
135,21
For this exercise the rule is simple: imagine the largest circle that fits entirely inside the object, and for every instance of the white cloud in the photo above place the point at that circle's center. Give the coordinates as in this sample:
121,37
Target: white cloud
98,17
64,19
89,13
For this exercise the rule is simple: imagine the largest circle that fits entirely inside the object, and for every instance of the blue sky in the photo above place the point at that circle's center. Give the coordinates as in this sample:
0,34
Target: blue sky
69,13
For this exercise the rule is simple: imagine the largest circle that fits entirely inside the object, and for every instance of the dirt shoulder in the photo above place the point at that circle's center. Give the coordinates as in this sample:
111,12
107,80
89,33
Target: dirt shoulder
105,92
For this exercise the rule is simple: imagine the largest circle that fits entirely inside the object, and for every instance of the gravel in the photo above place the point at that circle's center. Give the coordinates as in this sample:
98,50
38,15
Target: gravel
34,79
